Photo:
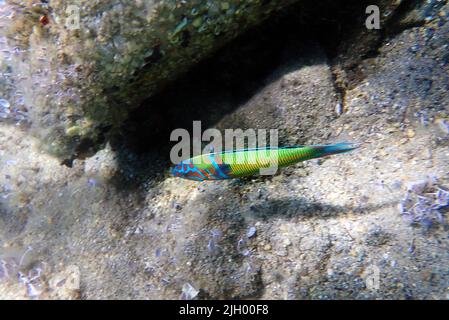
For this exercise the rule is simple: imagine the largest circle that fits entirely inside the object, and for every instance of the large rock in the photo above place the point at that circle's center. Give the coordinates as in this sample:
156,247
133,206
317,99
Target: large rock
80,75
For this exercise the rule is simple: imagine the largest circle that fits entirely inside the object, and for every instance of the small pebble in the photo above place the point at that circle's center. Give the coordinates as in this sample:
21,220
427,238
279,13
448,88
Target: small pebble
338,131
418,187
410,133
397,184
251,232
338,109
4,104
189,292
4,108
443,125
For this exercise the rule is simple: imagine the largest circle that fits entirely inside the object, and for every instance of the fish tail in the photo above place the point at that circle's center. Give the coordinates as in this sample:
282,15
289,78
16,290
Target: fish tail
327,150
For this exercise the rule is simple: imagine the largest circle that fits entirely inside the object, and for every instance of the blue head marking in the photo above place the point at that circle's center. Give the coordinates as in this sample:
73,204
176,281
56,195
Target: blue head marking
178,170
186,170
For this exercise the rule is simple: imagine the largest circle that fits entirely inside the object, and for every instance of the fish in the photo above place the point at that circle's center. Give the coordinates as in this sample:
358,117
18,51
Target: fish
247,162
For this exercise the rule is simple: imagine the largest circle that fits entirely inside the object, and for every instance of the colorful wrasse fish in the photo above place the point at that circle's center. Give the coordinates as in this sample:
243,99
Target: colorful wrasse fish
245,162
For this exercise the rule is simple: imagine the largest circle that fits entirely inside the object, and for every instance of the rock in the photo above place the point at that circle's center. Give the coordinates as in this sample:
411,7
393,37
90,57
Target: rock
189,292
251,232
89,64
287,242
410,133
103,165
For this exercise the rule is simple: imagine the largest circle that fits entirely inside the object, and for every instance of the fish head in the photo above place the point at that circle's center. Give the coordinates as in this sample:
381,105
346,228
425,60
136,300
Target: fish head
186,170
179,170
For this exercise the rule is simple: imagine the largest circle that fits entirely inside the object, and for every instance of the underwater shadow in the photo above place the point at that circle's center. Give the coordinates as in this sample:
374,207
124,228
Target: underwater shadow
288,208
221,84
239,217
207,93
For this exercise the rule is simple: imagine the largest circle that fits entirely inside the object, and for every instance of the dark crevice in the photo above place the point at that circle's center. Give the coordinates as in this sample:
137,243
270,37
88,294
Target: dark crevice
340,92
351,64
393,27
